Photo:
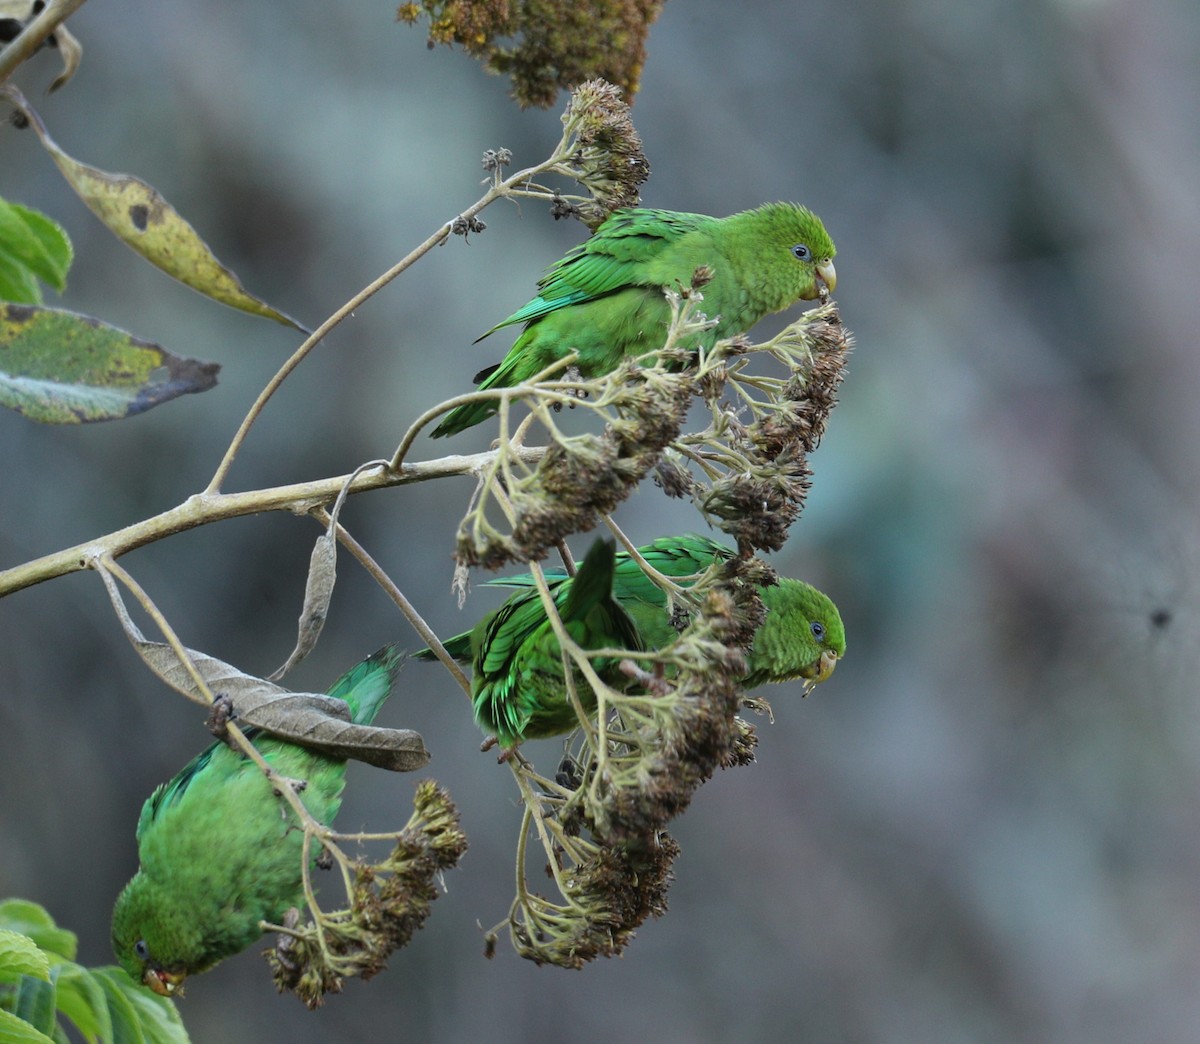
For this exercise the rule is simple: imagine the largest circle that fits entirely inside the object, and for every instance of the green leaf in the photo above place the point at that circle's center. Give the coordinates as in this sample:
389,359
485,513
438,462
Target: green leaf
35,1003
58,367
81,999
137,1014
26,918
17,282
20,956
122,1014
32,247
17,1031
139,216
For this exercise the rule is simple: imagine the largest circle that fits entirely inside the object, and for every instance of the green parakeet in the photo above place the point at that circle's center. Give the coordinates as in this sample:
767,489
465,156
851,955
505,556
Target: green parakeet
220,852
604,299
518,689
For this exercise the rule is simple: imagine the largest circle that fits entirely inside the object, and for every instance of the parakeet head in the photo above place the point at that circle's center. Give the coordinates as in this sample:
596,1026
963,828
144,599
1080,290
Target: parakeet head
802,636
142,941
792,252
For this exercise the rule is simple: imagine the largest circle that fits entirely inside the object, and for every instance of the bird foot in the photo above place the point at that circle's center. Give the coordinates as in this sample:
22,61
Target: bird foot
298,785
504,755
759,705
220,717
572,373
654,683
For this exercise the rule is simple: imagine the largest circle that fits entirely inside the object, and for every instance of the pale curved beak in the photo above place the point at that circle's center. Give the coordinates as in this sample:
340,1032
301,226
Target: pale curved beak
827,274
164,983
827,662
819,671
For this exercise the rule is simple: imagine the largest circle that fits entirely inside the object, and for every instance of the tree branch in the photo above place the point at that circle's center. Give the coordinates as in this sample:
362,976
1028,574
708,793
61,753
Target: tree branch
204,508
34,34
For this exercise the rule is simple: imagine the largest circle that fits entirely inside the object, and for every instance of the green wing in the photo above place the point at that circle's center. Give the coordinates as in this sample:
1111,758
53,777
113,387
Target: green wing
166,794
614,258
518,687
503,630
500,636
674,556
520,616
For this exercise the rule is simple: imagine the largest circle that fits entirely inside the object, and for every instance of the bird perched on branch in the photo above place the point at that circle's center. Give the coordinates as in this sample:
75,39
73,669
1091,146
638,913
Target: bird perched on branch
604,300
518,688
221,852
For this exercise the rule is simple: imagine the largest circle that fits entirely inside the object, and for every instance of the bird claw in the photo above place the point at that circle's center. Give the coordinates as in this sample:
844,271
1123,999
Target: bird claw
504,755
568,773
653,683
759,705
575,374
298,785
221,715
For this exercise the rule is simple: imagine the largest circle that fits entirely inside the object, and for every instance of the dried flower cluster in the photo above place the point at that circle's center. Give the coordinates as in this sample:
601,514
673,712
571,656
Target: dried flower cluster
389,902
602,825
680,726
548,44
755,476
606,896
580,477
664,733
606,154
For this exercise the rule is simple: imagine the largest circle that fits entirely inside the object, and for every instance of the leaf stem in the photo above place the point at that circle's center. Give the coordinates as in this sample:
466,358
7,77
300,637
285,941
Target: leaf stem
396,595
32,36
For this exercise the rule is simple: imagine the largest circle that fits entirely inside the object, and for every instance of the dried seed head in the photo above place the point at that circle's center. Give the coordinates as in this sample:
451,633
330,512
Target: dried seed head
673,479
741,751
390,901
608,159
544,46
607,897
494,159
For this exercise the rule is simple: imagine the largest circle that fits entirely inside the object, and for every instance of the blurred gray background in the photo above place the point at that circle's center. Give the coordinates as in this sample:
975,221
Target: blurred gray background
986,827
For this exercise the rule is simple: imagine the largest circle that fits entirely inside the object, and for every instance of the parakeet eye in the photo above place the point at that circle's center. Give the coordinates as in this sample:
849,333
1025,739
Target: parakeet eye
142,950
818,630
801,253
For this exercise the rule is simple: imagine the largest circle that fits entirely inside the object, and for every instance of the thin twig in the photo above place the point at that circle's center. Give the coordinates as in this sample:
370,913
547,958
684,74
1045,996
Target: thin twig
299,355
498,190
396,595
502,396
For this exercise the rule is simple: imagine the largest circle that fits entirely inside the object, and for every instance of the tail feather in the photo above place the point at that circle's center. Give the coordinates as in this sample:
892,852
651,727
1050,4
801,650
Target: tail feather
593,583
468,415
367,685
459,648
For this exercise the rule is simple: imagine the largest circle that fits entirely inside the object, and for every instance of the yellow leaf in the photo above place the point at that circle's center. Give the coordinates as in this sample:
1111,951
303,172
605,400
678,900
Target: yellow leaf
138,214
